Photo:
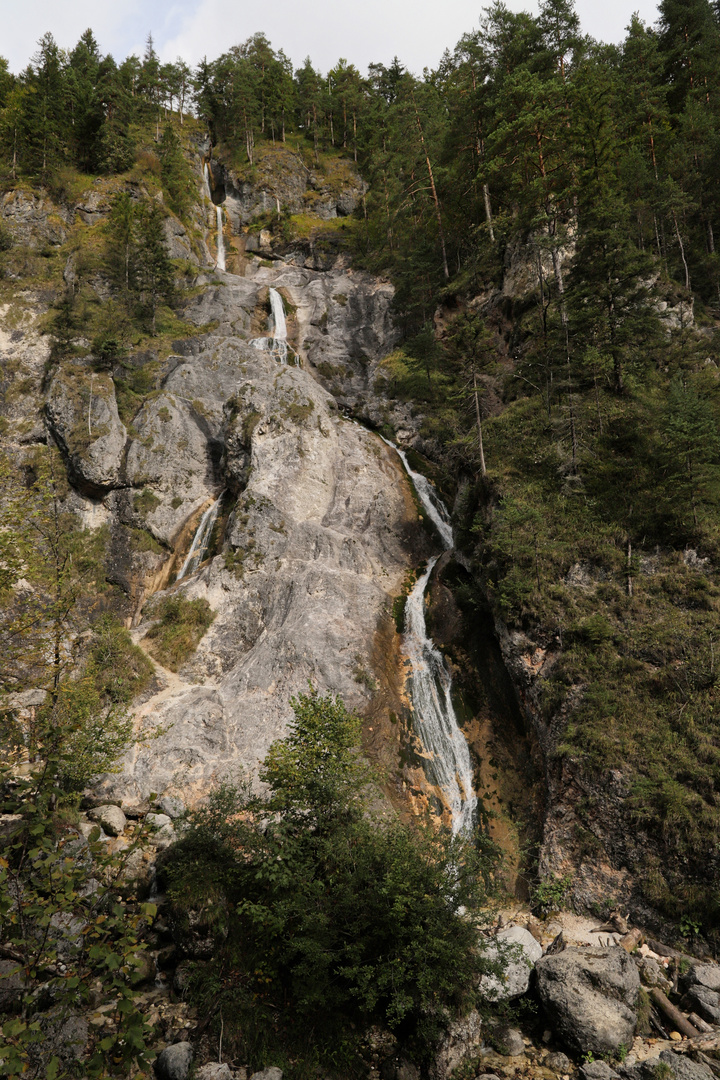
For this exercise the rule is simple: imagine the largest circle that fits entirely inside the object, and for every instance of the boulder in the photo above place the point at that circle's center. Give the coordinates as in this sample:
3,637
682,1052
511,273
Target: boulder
652,974
174,1062
461,1041
510,1042
703,1001
110,817
157,821
517,949
589,995
269,1073
214,1071
558,1062
702,975
596,1070
684,1068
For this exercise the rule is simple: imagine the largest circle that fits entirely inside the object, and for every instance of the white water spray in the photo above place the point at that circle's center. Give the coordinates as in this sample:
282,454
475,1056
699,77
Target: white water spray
277,344
435,722
206,178
201,539
220,238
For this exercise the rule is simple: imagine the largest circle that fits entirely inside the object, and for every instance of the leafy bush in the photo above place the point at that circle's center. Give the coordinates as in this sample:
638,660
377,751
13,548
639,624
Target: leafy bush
181,623
326,919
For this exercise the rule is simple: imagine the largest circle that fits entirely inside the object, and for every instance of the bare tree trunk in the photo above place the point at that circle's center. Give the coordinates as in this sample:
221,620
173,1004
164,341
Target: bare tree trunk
433,191
478,421
629,569
682,252
488,212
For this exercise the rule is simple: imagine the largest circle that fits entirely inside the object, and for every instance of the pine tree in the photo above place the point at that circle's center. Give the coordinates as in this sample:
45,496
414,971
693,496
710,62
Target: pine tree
154,280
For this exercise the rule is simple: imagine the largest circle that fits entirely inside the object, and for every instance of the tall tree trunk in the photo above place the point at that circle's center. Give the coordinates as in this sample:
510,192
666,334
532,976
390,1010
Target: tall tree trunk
478,423
488,212
433,191
682,251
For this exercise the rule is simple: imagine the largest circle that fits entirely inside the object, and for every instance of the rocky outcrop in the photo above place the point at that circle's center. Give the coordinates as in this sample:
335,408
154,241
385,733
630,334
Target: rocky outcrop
33,220
315,548
83,417
284,182
589,997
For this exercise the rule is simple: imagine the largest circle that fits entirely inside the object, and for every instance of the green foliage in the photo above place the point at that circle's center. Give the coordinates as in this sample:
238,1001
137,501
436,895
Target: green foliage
81,726
72,942
550,894
322,913
177,179
180,625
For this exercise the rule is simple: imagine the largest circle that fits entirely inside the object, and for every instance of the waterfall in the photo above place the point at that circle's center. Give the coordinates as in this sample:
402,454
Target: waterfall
220,238
433,504
218,219
201,539
435,722
277,344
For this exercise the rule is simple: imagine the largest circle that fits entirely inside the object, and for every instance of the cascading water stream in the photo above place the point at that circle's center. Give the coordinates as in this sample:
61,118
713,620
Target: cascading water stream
218,220
277,344
436,725
220,238
201,539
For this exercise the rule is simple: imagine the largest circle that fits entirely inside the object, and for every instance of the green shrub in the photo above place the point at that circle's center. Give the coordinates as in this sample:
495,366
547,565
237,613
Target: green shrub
180,626
325,919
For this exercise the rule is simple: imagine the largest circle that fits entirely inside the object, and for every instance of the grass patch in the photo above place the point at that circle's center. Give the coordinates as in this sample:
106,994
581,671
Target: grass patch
177,633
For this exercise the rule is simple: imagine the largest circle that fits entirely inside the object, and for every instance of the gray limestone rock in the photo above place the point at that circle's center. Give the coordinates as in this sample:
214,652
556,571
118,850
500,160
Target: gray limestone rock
558,1062
173,1063
589,995
110,817
461,1041
269,1073
315,549
82,414
518,951
510,1041
171,805
684,1068
595,1070
652,974
704,1001
703,975
214,1071
33,221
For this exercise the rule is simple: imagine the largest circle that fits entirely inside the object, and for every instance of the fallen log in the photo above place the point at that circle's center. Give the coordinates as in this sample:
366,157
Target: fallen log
680,1022
631,940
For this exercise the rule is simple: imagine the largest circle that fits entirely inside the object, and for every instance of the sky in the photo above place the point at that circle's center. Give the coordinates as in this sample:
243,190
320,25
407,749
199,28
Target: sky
417,31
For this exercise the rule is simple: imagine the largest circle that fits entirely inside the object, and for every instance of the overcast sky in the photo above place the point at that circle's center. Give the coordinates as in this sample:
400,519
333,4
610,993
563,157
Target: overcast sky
417,31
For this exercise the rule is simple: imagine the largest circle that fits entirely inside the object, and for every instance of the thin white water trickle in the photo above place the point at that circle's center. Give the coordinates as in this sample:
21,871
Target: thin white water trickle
201,539
220,238
436,724
277,344
433,504
206,178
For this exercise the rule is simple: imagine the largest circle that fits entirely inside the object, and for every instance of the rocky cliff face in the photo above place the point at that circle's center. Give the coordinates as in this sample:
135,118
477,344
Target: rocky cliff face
318,527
